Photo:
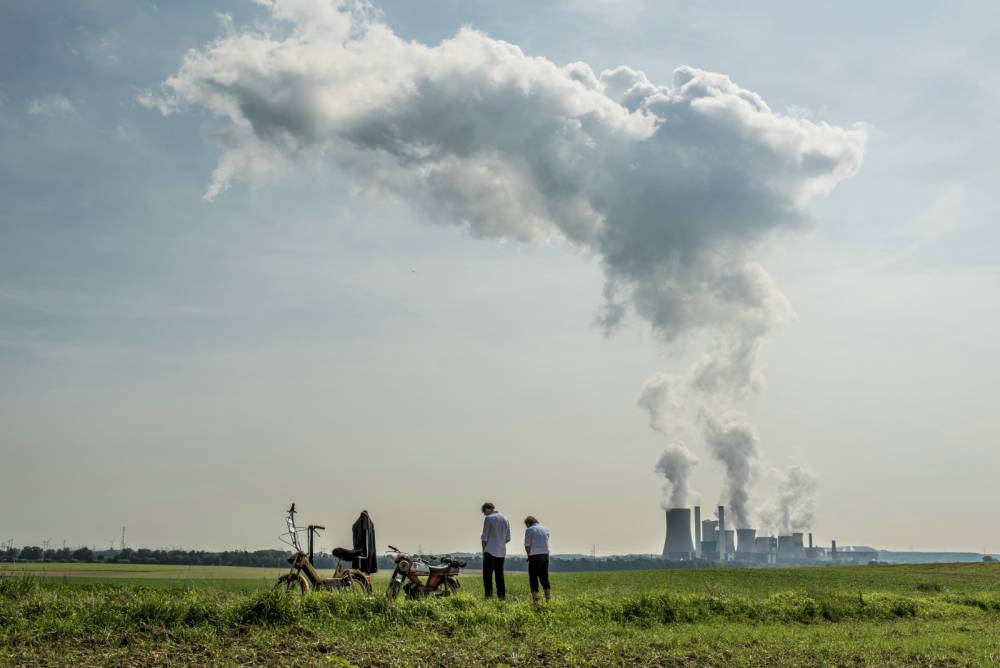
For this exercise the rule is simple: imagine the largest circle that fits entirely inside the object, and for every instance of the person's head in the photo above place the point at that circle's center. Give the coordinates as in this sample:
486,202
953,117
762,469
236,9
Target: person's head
530,521
488,508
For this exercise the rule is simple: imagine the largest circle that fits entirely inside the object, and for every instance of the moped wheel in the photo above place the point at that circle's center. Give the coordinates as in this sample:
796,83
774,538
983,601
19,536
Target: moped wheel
293,582
411,590
359,585
451,585
392,591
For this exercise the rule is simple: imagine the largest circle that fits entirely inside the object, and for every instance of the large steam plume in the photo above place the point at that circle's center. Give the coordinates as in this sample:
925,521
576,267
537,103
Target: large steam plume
668,185
734,444
796,500
675,466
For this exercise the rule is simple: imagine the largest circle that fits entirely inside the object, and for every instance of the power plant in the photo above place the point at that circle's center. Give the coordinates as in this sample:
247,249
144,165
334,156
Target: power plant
714,542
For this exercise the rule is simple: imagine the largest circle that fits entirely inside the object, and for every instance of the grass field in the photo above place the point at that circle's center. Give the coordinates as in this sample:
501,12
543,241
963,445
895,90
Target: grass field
927,615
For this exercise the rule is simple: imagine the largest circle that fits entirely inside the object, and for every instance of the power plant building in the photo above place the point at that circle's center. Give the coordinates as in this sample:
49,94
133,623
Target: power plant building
714,542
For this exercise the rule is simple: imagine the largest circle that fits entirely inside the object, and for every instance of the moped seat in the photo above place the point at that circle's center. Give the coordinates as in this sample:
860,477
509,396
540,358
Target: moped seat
344,554
439,570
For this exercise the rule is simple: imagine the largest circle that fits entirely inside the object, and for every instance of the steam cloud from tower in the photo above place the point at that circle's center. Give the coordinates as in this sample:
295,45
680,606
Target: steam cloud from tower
675,466
734,445
668,185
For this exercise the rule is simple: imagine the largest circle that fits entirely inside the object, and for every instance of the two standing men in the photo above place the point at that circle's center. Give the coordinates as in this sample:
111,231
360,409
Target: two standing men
496,535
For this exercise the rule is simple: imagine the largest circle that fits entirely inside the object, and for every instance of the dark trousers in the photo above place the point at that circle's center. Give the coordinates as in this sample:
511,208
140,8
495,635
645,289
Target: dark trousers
493,565
538,571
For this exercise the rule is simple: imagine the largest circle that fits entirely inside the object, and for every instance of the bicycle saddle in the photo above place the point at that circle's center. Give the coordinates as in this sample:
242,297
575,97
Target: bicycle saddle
344,554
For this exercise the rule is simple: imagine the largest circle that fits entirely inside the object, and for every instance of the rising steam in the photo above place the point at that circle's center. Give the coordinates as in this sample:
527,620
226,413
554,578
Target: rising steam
796,500
668,185
675,466
734,444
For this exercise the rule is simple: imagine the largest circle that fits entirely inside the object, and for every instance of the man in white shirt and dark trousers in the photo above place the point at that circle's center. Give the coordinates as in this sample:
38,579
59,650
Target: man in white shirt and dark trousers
536,546
496,535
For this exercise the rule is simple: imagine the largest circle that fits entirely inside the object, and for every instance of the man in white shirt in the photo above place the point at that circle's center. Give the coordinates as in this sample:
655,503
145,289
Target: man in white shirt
536,546
496,535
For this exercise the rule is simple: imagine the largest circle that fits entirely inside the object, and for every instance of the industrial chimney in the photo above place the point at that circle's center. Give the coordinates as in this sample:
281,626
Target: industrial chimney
697,531
677,544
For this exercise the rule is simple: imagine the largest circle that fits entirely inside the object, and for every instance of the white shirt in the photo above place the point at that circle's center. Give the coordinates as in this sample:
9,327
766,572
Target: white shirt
536,539
496,533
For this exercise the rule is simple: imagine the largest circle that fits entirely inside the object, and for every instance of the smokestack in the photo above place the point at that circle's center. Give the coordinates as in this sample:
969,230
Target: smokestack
697,531
678,542
810,540
833,549
722,533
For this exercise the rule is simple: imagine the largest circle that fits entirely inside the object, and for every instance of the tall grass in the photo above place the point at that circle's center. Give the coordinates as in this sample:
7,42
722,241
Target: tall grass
30,607
593,620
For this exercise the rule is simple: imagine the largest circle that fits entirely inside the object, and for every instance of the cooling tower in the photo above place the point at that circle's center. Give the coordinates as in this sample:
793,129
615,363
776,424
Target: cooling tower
697,531
745,540
678,543
790,547
730,542
722,533
764,545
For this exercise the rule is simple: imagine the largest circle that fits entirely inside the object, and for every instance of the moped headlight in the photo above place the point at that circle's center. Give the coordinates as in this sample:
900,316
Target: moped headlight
403,566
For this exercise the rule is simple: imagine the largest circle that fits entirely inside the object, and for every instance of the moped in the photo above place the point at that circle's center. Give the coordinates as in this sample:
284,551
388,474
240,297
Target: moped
441,580
304,577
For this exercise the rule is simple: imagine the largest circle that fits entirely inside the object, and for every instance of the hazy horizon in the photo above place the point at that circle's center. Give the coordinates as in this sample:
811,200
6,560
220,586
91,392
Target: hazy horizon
412,259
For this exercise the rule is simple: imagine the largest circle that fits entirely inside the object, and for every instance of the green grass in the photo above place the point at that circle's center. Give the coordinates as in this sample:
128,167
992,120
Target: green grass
933,615
150,575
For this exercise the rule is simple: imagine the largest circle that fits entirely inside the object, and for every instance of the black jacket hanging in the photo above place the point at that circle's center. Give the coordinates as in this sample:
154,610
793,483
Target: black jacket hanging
363,533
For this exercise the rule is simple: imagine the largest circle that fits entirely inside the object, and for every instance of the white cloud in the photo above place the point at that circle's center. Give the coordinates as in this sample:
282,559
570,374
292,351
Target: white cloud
669,185
51,105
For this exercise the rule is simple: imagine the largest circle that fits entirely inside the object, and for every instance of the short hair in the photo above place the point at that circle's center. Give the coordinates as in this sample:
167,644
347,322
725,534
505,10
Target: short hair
530,521
488,506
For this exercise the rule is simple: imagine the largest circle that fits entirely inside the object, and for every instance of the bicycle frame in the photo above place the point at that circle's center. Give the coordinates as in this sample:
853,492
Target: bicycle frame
303,572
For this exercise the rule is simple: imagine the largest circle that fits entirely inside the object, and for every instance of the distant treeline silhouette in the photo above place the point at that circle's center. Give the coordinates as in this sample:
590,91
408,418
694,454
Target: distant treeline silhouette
279,559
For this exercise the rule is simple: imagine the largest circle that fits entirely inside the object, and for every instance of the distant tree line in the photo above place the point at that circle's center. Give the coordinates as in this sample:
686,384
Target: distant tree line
260,558
566,563
34,553
279,559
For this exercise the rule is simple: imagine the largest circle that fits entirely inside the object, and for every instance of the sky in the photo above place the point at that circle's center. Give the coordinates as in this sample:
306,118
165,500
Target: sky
220,295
